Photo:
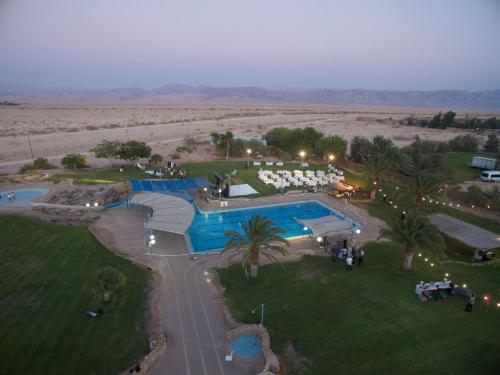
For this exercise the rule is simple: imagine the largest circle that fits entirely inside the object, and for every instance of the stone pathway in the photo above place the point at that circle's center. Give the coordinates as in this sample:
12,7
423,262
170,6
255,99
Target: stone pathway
465,232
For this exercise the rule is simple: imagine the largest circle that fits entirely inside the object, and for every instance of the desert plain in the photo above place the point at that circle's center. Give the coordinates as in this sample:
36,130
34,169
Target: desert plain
55,130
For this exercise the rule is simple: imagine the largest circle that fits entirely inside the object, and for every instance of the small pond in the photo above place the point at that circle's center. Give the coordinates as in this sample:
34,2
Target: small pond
246,346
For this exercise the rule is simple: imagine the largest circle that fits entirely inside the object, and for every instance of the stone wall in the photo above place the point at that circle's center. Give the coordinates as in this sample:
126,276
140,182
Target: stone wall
272,365
158,348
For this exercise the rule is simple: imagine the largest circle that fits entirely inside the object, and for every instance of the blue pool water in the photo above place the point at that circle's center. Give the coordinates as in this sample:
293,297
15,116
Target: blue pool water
207,229
246,346
23,197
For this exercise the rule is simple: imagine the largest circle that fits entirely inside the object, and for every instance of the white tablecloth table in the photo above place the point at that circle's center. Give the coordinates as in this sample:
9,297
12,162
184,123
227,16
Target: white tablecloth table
432,286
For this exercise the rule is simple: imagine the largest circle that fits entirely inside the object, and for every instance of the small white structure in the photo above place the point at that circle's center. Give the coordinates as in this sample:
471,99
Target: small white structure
241,190
483,163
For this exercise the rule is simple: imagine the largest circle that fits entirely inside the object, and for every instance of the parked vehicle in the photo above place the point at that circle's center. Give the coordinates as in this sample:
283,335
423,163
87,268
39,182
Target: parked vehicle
490,176
483,163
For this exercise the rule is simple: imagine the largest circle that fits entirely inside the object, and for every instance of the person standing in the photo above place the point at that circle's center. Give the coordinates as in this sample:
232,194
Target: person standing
348,261
361,254
470,302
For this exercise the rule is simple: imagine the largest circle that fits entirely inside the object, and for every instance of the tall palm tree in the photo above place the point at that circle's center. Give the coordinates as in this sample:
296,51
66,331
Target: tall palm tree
227,141
259,236
382,158
421,185
413,233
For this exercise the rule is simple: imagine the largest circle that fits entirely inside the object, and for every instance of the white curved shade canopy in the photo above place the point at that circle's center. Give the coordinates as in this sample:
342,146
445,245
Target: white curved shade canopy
170,214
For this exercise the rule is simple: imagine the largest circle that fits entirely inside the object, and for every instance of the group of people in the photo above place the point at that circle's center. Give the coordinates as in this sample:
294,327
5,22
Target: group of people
352,254
11,196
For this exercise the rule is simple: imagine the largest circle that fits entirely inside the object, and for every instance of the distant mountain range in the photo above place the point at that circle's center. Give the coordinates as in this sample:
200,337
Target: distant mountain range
447,99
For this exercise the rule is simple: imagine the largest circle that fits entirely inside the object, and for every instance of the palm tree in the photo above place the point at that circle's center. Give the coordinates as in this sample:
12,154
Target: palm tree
259,236
413,233
382,158
421,185
227,140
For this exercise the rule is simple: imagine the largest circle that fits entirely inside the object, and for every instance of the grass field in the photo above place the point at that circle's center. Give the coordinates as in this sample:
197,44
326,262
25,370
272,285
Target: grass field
369,321
44,329
459,163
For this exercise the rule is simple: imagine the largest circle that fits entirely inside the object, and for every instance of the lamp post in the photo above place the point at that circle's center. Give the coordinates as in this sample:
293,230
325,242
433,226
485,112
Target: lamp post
331,157
151,240
207,273
220,193
302,154
261,306
249,151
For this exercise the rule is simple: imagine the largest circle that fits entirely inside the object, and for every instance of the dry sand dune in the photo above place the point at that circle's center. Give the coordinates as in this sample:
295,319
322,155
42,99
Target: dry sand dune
56,130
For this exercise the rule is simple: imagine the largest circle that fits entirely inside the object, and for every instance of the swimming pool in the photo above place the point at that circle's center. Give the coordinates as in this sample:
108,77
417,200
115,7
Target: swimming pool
206,232
24,197
246,346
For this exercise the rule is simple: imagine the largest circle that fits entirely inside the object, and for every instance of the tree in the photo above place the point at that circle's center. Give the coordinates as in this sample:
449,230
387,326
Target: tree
436,121
382,158
259,236
227,140
133,150
447,120
333,144
107,150
413,233
155,159
360,149
75,161
223,141
491,144
104,283
421,185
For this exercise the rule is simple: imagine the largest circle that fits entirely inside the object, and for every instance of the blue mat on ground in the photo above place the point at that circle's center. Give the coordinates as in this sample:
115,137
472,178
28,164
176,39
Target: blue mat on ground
180,185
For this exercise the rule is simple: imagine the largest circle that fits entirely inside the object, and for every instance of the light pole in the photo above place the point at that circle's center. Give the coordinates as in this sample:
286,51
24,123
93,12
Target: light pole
151,240
261,306
207,273
303,237
331,157
249,151
220,193
302,154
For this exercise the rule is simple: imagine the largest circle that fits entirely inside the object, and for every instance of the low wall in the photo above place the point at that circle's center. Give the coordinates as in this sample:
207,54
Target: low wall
158,348
272,365
66,206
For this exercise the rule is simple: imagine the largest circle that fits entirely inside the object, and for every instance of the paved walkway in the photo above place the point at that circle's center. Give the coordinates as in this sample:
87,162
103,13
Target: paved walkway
465,232
189,316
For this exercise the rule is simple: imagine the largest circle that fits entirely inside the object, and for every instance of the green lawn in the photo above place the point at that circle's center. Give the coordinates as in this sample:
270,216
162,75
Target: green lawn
369,321
102,176
243,175
459,163
44,329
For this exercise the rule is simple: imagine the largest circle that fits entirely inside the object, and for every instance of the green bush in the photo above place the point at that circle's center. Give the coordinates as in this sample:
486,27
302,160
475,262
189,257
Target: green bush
38,163
464,143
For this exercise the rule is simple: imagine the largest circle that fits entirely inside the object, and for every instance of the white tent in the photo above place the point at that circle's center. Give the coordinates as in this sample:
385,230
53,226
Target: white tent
170,214
328,225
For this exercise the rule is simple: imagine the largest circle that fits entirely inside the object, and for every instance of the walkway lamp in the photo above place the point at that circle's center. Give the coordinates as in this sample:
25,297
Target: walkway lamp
358,231
87,204
331,158
261,306
220,193
96,204
249,151
207,273
302,154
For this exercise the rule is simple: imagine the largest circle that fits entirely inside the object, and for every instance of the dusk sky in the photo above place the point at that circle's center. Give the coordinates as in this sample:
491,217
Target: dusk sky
384,44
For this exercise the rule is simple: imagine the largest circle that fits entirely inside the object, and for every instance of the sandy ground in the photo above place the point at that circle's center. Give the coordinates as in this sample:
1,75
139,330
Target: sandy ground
58,130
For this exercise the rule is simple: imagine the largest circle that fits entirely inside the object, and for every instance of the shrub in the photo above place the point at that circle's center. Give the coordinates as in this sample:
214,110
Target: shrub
464,143
38,163
175,156
491,144
104,283
74,161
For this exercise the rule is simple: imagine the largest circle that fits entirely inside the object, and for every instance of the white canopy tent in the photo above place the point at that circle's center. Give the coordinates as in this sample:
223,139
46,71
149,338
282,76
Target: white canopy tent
170,214
328,225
